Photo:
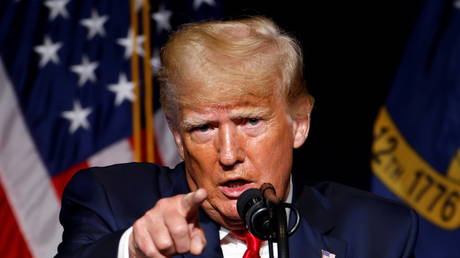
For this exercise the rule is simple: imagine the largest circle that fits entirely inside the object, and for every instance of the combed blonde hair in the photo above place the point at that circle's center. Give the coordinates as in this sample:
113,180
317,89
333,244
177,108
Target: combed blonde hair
220,60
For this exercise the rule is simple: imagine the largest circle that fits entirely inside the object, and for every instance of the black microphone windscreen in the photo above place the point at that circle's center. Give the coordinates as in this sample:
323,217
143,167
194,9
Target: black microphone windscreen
246,200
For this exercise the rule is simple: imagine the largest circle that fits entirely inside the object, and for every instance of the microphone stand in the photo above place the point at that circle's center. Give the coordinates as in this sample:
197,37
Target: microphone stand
281,232
278,212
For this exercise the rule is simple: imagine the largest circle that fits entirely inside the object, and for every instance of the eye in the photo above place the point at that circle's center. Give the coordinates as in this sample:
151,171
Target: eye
202,128
253,121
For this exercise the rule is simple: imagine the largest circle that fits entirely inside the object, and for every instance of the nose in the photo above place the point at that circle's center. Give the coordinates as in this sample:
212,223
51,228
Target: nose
230,149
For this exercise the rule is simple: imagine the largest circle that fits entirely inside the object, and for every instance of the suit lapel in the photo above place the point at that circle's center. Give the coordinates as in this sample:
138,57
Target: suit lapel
317,222
308,241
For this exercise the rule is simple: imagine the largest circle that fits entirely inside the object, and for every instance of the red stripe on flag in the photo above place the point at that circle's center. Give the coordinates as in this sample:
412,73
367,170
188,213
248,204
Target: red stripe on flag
13,243
158,158
61,180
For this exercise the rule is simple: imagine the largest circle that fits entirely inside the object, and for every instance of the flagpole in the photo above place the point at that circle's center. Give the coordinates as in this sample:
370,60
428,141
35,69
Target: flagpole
136,107
148,85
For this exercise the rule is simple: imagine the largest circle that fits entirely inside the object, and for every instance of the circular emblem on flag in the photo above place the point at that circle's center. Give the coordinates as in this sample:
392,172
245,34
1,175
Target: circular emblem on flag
433,194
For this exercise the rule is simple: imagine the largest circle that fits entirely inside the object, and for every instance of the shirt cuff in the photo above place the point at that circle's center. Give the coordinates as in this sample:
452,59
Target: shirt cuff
123,245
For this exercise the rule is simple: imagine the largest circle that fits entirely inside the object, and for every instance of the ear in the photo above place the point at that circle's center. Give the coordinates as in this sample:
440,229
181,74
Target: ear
179,144
301,129
177,137
301,122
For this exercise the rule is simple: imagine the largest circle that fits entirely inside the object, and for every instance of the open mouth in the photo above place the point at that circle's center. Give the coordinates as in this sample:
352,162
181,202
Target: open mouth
234,188
235,183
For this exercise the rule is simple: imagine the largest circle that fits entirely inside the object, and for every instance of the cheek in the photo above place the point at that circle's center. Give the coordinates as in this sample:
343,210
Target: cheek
274,148
198,177
272,156
199,162
199,154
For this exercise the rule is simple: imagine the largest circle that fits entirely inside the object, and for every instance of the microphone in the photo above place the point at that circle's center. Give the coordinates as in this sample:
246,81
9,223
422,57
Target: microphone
258,208
265,216
252,208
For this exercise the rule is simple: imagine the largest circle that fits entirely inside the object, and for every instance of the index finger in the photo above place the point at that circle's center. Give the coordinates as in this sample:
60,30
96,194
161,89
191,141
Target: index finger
193,200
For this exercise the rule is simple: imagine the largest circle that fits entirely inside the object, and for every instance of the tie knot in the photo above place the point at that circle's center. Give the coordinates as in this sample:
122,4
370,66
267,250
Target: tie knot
253,243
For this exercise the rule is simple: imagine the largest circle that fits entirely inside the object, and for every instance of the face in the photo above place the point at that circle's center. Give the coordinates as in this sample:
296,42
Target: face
237,145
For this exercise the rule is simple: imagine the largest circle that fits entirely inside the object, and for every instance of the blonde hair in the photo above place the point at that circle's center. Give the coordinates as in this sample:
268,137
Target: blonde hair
213,56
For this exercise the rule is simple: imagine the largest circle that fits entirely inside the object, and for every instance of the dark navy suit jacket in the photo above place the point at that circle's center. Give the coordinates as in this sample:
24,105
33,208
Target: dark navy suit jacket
99,204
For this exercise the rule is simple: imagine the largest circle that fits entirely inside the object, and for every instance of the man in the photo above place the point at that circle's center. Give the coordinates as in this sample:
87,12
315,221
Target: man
234,96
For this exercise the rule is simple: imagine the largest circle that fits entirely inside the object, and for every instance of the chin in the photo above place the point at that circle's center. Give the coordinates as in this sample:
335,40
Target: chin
231,217
231,210
234,224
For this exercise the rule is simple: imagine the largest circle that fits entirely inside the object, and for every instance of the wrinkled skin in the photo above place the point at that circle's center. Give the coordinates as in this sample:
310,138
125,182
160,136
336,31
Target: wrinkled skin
227,148
238,145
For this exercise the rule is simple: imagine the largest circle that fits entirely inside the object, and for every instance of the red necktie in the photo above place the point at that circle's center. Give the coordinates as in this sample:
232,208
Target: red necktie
252,242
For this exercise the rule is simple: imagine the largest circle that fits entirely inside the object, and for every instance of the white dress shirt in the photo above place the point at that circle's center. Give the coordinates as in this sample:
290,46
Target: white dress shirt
232,247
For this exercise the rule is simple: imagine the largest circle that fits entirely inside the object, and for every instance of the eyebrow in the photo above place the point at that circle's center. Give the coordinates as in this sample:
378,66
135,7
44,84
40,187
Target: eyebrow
191,123
253,112
197,121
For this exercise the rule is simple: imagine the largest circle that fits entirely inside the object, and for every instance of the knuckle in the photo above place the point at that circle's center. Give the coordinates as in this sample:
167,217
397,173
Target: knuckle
163,203
151,213
138,224
163,244
151,253
146,249
151,217
183,250
166,206
179,230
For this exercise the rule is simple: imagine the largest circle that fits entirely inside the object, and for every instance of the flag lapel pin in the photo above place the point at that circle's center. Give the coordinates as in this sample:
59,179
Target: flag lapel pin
326,254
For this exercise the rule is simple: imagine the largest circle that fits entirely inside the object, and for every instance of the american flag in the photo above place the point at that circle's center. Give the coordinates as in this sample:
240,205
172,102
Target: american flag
67,90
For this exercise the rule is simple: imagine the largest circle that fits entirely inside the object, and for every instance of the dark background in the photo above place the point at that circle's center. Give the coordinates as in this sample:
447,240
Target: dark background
352,50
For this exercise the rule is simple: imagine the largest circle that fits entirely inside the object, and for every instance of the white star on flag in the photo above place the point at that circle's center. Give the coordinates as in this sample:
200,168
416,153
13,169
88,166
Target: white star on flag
78,117
138,4
85,71
48,51
155,62
127,43
197,3
123,90
57,7
162,18
95,24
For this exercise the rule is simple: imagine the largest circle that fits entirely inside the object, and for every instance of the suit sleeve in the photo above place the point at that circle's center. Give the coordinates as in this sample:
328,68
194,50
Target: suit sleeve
90,229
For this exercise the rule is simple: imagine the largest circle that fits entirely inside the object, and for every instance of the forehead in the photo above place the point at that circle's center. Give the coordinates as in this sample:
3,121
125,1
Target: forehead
221,89
246,106
238,105
217,76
